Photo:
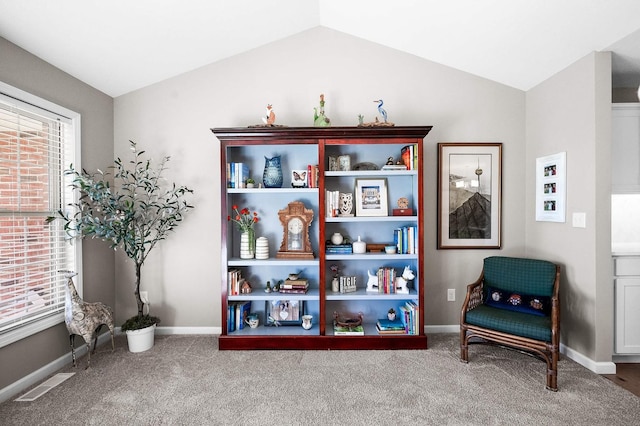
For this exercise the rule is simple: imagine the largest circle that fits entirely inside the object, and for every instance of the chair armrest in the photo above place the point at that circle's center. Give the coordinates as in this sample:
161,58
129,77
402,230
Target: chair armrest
473,297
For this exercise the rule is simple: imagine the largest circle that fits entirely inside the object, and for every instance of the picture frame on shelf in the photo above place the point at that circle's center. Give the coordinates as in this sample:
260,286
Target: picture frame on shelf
469,179
333,164
284,312
551,188
344,163
299,178
371,197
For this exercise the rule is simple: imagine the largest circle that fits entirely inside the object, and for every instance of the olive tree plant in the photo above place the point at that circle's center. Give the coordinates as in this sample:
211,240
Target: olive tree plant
134,214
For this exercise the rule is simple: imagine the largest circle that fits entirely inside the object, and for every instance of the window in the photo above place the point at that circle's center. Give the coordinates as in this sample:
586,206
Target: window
38,140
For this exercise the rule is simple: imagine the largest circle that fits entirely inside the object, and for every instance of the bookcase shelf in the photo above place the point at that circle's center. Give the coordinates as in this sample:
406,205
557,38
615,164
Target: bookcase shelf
308,148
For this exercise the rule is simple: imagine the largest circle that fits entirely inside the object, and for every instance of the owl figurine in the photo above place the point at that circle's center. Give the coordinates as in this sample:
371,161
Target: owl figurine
346,204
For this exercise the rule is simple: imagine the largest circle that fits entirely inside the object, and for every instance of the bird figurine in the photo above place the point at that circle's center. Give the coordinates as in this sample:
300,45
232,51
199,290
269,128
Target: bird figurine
270,118
381,110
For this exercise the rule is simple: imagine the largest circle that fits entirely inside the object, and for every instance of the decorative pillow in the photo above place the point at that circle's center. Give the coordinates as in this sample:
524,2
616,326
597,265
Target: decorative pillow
519,302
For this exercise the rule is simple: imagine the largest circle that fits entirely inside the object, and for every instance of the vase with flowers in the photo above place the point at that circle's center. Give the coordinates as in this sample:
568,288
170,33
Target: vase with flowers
245,220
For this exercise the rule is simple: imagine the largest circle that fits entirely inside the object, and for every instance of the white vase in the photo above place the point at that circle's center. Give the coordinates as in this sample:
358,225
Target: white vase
247,246
262,248
141,340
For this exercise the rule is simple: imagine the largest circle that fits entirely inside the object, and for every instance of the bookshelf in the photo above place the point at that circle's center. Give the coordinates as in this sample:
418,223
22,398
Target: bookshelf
339,159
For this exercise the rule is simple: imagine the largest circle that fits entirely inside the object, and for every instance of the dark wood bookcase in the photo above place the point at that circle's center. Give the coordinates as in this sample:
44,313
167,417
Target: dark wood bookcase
305,148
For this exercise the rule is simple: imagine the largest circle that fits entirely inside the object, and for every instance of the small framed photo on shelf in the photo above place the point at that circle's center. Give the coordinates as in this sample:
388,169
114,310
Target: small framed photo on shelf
284,312
371,197
333,164
344,163
299,178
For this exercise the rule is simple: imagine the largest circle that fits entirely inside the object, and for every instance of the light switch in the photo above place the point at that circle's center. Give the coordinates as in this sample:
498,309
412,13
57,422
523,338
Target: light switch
579,220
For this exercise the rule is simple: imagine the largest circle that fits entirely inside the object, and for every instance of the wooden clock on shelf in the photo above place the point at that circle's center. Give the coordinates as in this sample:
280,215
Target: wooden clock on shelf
295,220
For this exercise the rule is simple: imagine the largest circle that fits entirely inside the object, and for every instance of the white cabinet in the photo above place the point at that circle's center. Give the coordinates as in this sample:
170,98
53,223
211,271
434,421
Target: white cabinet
625,150
627,300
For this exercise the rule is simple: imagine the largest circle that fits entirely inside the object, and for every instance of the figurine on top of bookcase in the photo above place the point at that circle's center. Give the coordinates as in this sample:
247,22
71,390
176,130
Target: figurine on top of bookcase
377,122
270,118
319,119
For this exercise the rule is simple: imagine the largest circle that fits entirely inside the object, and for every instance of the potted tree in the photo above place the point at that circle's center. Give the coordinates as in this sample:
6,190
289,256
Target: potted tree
134,215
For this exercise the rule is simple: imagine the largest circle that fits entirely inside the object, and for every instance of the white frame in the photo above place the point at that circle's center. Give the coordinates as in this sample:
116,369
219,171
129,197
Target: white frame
551,188
383,208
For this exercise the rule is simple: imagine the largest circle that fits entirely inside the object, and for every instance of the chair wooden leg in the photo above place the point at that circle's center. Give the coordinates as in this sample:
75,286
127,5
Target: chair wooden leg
552,372
464,347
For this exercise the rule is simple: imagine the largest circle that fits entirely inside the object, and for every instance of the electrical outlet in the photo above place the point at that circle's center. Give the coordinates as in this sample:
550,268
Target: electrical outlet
144,296
451,295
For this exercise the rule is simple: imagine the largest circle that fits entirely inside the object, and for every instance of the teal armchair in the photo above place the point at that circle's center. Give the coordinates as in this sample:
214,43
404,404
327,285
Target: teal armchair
515,303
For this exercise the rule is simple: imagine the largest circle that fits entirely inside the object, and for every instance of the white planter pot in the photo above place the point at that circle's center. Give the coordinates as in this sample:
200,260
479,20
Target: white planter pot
141,340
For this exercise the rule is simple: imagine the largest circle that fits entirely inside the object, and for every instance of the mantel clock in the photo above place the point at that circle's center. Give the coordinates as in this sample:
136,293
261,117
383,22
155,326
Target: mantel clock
296,220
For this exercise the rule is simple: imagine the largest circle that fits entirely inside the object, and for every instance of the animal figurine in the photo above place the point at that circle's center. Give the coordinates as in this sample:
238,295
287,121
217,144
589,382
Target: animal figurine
85,318
402,281
372,282
381,110
270,118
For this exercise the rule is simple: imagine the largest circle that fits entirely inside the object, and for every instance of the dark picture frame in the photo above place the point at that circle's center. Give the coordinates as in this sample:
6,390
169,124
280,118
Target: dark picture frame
469,195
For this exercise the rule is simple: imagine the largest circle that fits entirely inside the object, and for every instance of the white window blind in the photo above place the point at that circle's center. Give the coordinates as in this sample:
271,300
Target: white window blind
36,145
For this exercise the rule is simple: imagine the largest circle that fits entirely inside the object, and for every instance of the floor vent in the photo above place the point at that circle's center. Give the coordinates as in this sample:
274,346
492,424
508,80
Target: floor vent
45,387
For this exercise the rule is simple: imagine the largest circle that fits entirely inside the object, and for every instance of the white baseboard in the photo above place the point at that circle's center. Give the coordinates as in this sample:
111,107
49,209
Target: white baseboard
442,329
598,367
164,331
42,373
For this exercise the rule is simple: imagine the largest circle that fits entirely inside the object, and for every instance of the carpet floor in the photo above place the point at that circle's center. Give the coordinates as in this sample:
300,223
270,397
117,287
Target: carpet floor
186,380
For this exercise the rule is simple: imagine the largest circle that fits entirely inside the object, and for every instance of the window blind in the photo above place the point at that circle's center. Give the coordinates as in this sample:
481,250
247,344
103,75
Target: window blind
36,145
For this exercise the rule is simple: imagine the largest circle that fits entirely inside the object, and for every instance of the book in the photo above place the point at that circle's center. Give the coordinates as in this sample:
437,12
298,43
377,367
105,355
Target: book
394,167
242,311
387,324
391,330
407,157
293,290
348,331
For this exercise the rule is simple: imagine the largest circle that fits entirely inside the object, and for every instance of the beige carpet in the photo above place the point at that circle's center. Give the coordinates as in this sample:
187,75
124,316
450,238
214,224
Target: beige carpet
185,380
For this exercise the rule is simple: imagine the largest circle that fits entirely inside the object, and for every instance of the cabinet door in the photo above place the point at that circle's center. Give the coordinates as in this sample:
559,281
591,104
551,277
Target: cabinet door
627,315
625,150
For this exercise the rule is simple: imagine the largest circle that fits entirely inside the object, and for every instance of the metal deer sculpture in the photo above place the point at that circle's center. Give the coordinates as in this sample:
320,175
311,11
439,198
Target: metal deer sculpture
85,318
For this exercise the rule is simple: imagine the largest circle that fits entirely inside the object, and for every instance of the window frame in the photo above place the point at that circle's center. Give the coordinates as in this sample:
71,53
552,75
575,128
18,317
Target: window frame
28,102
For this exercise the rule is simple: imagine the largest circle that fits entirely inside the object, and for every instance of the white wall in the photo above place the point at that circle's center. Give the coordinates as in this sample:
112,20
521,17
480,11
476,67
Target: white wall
175,116
571,112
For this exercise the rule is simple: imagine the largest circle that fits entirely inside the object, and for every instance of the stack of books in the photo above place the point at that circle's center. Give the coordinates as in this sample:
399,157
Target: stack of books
406,239
234,282
409,154
297,286
386,280
237,175
386,326
339,249
409,317
236,314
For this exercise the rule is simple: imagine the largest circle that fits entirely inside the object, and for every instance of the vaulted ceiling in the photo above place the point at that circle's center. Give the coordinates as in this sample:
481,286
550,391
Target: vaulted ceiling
118,46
